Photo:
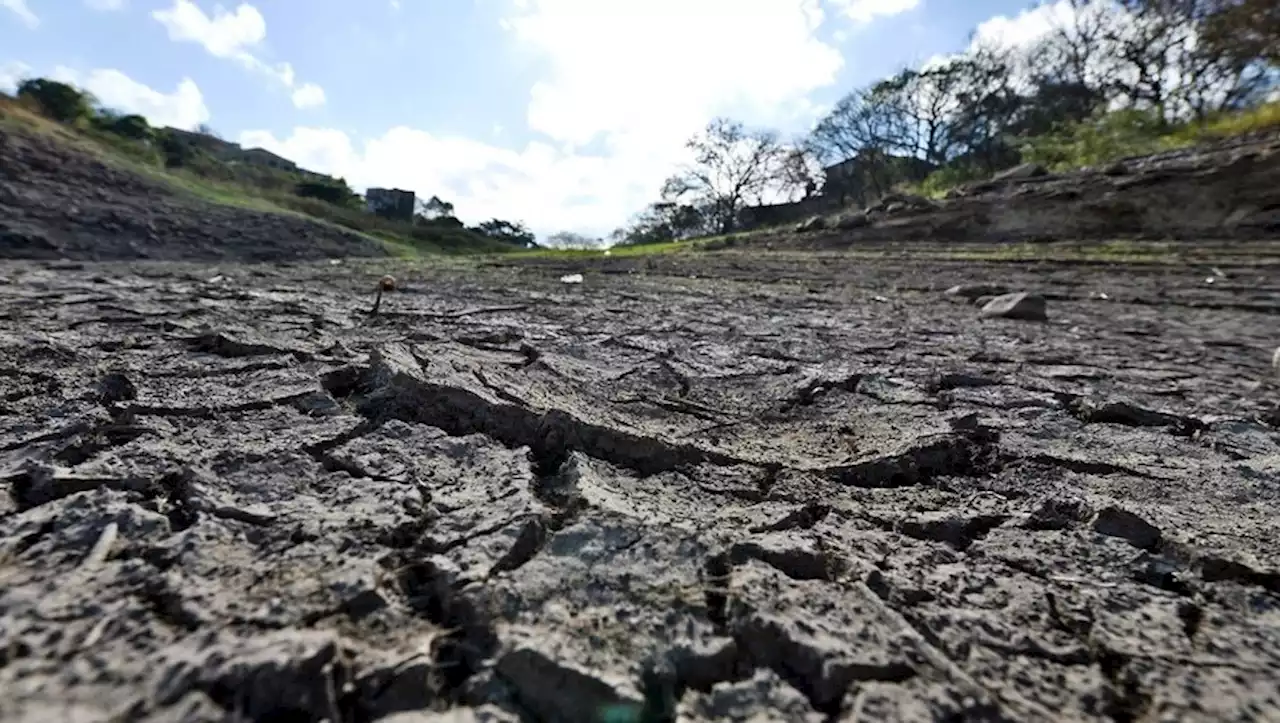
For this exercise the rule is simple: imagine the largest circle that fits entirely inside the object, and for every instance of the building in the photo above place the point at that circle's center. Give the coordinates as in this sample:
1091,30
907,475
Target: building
390,203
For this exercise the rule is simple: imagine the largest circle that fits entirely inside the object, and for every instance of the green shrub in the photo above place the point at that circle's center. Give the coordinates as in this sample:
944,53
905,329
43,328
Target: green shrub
1099,140
944,179
131,127
58,101
335,192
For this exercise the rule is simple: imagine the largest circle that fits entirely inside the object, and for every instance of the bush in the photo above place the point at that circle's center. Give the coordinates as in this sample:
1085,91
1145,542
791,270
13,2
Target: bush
1099,140
515,234
132,127
948,177
335,192
177,154
58,101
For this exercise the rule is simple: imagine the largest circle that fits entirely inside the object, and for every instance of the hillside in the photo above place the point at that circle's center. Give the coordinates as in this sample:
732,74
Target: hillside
1227,189
97,190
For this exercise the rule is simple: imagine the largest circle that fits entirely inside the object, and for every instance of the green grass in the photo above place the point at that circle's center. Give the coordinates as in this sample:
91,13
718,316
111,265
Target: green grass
1112,137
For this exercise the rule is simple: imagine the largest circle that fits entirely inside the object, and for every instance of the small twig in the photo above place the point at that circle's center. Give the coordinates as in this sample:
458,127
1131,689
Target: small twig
102,548
480,310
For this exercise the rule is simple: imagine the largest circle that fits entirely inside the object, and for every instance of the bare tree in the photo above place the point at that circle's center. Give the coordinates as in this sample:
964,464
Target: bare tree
989,109
1245,31
733,167
1180,70
434,208
799,171
1080,50
867,140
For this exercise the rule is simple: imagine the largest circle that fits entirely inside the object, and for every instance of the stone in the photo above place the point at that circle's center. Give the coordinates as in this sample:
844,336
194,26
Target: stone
1118,522
849,221
1275,361
1024,306
1022,172
116,387
974,291
816,223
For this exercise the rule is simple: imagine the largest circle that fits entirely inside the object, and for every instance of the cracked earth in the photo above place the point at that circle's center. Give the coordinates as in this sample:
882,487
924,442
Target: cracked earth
693,489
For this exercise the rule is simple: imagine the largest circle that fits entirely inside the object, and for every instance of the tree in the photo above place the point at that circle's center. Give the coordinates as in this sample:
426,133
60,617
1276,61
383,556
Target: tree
732,167
661,222
799,171
515,233
857,141
1187,74
434,208
1245,31
571,240
989,112
59,101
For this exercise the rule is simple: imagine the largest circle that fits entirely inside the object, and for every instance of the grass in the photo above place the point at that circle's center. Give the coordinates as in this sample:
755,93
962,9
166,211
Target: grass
1112,137
242,186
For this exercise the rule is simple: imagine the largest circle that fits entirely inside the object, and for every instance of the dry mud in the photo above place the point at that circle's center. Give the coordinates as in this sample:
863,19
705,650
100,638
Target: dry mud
696,491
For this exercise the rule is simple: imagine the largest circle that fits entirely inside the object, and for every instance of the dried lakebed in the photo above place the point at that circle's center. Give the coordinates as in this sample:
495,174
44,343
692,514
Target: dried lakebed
692,489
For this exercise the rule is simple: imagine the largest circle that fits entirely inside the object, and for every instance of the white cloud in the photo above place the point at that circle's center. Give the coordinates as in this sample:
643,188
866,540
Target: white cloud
234,35
547,188
608,76
308,95
11,74
105,5
866,11
19,7
183,108
1024,29
225,35
604,85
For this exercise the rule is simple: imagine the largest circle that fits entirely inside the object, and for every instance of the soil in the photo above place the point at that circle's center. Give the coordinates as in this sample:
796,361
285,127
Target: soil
696,488
60,202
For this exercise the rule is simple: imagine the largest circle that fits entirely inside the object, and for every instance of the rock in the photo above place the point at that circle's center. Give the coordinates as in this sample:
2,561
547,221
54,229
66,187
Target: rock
974,291
817,223
1275,361
848,221
1117,522
116,387
1024,306
1022,172
1116,169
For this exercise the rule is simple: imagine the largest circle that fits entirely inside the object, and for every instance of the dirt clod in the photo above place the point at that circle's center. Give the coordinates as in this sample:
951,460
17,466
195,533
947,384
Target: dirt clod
757,493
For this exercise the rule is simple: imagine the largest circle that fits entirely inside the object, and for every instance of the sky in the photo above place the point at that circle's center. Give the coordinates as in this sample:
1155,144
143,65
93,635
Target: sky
565,115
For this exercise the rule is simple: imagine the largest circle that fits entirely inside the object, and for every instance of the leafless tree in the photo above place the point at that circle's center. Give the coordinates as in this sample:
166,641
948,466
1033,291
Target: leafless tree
799,171
732,167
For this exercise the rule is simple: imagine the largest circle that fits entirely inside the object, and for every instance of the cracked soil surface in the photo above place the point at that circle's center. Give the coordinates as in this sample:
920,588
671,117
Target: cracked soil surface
691,489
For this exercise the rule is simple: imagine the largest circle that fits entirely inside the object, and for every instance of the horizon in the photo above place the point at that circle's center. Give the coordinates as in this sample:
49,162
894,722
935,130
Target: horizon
554,113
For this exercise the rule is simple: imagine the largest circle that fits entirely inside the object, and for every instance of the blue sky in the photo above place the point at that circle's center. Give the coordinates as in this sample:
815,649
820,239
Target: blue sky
565,114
